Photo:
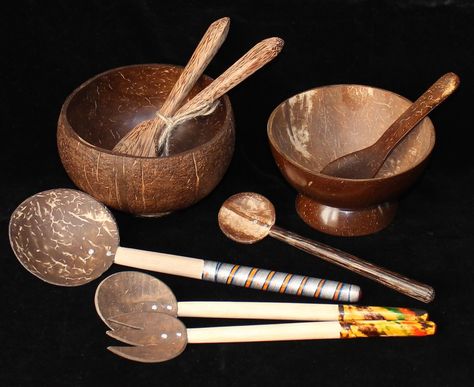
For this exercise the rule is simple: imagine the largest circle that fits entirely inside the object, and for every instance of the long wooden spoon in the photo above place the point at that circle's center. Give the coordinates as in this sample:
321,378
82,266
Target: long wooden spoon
159,337
249,63
66,237
140,141
365,163
248,217
132,291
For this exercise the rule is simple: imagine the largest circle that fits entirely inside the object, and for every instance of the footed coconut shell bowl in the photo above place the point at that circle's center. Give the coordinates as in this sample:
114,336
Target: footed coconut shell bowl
100,111
310,129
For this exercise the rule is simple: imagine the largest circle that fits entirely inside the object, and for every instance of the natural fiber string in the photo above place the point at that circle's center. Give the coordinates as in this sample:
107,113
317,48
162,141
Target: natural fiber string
172,122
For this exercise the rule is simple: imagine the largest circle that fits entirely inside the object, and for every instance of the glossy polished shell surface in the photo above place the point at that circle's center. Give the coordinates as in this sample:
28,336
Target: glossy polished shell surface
246,217
132,291
310,129
63,236
99,112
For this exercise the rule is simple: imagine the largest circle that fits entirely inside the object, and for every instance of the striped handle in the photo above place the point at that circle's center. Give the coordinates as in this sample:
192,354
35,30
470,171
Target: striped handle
274,281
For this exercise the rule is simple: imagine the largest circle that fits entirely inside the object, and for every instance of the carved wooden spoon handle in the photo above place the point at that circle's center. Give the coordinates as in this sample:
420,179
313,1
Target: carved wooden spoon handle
203,54
254,59
140,140
386,277
418,110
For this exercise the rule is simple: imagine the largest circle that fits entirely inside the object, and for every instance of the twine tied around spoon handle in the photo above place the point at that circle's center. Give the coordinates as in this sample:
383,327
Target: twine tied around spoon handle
163,137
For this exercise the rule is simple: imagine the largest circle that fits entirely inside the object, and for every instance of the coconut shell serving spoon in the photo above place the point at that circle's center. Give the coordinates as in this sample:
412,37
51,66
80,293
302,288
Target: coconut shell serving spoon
365,163
248,217
140,141
66,237
132,291
159,337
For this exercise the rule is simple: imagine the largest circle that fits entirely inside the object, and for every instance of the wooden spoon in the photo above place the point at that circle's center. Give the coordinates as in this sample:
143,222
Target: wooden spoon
132,291
159,337
66,237
254,59
365,163
249,217
140,141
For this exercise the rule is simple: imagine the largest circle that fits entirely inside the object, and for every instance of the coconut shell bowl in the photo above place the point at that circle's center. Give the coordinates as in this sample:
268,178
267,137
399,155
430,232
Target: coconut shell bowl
103,109
313,128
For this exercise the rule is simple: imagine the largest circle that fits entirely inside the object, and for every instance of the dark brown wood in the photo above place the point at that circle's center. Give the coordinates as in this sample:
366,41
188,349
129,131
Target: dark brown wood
365,163
348,261
248,217
311,129
140,141
98,113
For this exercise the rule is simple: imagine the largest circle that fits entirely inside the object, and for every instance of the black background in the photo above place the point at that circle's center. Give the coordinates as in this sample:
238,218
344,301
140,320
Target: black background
52,336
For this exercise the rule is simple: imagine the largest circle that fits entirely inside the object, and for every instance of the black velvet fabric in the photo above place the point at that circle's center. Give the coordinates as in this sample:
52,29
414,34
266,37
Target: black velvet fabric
52,336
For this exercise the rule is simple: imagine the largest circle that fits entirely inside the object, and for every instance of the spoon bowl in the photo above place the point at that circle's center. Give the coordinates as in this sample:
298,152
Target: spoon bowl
365,163
312,128
64,237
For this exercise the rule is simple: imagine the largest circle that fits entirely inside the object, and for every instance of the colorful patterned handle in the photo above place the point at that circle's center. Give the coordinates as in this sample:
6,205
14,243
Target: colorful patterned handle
274,281
383,328
356,312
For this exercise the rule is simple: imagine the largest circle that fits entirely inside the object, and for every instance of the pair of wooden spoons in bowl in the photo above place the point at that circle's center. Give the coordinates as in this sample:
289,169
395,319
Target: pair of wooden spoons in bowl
151,138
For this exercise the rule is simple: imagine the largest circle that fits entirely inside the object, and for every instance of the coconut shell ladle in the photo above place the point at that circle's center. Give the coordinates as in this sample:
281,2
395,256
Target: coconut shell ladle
132,291
248,217
66,237
366,162
159,337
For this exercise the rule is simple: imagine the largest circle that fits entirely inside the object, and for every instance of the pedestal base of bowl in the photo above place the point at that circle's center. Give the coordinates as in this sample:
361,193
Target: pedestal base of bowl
345,222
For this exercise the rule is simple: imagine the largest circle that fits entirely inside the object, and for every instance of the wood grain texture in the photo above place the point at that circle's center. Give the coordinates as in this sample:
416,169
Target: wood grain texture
253,60
97,114
348,261
140,141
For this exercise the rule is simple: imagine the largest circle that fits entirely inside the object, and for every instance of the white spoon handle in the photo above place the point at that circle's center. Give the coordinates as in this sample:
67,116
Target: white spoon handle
309,331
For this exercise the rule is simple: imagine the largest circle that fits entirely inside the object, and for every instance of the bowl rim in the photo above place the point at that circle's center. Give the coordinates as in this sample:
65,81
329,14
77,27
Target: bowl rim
274,143
63,113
